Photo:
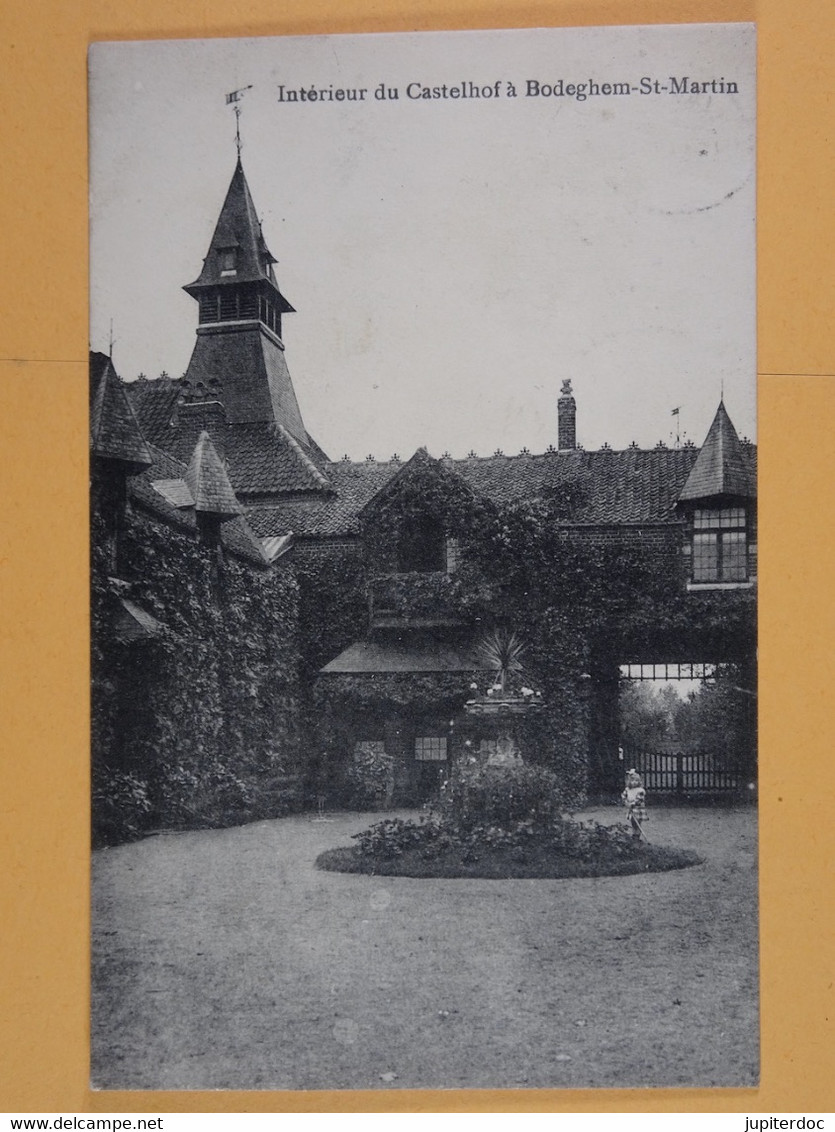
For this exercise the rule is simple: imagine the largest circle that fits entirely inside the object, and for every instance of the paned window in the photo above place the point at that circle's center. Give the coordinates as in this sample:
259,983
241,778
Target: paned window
228,261
693,670
430,749
720,545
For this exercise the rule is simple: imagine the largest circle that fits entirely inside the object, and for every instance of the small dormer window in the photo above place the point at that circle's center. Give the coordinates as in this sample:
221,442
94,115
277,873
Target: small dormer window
720,545
228,261
422,546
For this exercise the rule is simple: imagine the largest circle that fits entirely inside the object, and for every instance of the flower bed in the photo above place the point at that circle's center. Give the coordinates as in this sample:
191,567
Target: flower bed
438,847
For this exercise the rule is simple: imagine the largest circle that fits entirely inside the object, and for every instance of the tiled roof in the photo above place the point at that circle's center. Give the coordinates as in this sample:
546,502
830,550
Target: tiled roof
236,535
114,430
238,228
175,492
154,401
602,488
354,485
135,623
722,467
261,457
208,482
606,487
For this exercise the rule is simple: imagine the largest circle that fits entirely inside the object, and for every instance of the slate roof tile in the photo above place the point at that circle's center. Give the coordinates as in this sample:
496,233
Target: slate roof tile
721,468
236,535
154,401
114,429
237,228
261,457
208,482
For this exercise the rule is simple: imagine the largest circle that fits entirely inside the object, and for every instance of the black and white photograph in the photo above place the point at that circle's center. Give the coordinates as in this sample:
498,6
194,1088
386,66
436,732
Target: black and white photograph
423,506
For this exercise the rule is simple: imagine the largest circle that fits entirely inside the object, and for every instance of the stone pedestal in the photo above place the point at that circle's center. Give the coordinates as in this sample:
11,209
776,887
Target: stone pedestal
498,714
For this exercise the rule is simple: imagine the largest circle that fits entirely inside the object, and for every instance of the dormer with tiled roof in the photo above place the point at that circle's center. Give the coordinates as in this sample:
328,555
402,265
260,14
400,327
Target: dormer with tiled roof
718,501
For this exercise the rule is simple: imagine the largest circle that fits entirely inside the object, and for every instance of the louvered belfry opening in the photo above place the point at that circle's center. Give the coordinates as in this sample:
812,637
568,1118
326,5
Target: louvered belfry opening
242,302
237,282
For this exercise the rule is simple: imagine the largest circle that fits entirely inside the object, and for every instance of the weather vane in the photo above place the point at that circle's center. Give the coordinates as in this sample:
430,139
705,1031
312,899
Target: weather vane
676,412
233,99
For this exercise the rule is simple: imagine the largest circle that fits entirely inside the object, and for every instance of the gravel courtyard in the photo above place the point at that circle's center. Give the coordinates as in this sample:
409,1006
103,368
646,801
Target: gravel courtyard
224,959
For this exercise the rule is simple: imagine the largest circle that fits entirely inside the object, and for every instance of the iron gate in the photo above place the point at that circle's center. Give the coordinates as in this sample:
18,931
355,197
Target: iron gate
686,774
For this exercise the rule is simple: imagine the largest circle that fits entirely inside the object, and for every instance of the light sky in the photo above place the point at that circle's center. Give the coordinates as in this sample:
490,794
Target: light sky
451,261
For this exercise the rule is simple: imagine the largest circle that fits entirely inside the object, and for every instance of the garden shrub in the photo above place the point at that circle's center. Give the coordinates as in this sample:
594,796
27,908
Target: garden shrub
120,804
442,846
480,794
369,777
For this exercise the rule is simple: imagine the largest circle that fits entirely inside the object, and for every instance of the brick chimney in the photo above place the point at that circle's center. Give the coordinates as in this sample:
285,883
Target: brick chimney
566,418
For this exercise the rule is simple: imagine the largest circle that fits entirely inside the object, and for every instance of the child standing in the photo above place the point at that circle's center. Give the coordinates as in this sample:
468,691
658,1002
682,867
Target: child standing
635,799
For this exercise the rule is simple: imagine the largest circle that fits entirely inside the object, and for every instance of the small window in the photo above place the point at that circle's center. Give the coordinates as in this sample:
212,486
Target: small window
422,546
430,749
453,555
228,261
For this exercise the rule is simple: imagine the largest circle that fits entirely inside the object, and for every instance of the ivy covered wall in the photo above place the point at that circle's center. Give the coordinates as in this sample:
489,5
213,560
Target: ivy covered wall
197,722
583,599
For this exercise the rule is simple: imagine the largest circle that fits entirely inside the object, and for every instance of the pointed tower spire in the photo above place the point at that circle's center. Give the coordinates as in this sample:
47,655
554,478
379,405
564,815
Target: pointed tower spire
208,482
238,255
239,351
722,467
114,430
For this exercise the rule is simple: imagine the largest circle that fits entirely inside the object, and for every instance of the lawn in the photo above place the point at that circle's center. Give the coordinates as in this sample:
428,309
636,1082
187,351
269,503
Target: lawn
225,959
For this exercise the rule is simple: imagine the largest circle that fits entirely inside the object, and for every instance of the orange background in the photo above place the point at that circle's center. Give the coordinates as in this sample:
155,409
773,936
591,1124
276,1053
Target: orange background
43,560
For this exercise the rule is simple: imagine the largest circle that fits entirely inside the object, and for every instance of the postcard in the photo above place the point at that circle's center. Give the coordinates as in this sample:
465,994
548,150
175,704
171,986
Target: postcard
424,560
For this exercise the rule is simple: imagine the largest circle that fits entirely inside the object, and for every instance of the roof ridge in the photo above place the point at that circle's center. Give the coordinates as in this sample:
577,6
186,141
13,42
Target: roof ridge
306,460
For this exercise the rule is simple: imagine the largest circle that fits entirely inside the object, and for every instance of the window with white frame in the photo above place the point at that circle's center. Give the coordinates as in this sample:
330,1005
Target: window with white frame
720,545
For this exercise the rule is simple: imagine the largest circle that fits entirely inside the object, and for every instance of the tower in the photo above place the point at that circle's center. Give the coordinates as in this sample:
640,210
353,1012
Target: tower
238,358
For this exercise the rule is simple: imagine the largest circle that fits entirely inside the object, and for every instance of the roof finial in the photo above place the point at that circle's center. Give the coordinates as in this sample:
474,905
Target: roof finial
111,343
234,98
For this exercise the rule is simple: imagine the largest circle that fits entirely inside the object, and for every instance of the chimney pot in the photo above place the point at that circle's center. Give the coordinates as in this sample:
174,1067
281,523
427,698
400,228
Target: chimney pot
566,418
